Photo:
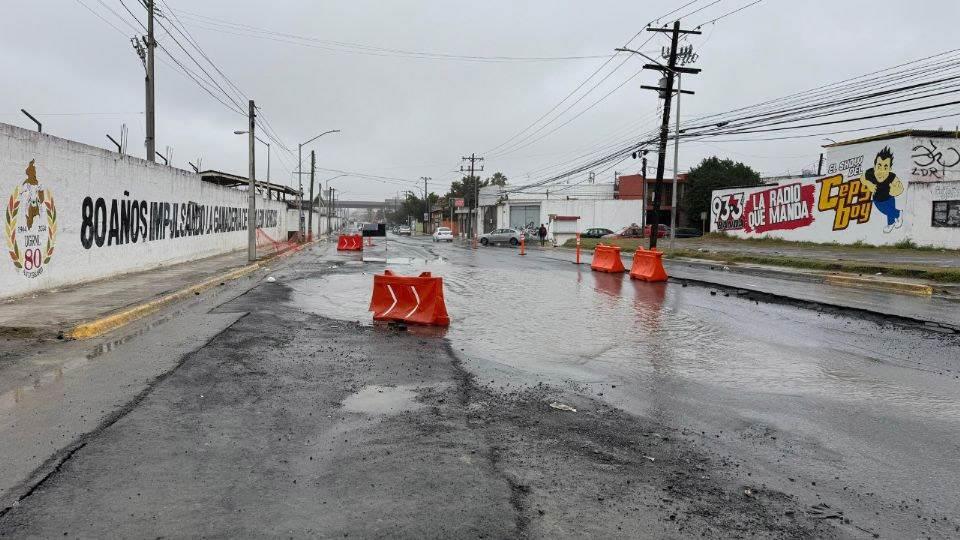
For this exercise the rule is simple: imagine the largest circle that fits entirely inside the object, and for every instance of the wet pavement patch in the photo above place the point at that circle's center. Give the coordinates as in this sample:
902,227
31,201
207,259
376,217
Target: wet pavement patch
377,400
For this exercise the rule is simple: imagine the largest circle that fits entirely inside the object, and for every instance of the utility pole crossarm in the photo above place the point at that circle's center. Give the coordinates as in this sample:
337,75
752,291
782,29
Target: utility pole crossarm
675,30
672,73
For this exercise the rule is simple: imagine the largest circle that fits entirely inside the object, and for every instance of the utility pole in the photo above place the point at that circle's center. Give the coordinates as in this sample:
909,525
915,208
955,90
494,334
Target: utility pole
666,92
426,202
252,195
329,201
676,167
474,224
150,82
313,170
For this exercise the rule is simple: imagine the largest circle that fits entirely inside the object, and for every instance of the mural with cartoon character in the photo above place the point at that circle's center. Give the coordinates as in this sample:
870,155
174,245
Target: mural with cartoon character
885,187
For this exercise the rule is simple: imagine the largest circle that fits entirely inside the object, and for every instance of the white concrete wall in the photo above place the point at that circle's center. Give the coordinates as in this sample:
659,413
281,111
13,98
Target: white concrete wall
614,214
319,222
838,207
92,214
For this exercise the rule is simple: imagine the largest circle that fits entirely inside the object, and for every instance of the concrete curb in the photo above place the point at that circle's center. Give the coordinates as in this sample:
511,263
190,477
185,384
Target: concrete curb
903,287
98,327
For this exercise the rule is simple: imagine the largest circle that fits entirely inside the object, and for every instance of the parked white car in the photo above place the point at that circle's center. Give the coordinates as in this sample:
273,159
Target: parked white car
443,234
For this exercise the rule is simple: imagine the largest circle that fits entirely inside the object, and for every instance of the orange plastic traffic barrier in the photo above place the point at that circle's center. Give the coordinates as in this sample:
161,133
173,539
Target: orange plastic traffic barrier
350,242
607,259
648,265
409,299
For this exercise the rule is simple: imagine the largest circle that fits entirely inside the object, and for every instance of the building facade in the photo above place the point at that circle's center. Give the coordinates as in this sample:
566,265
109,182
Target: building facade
897,188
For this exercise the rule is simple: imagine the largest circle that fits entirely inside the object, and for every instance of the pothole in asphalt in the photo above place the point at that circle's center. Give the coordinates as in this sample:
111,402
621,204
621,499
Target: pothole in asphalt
378,400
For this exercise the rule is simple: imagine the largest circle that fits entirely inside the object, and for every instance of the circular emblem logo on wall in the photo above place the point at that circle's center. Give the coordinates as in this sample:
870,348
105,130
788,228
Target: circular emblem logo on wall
30,225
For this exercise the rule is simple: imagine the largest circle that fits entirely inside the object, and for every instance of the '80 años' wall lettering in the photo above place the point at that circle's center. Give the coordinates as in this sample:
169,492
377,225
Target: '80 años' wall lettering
126,221
66,204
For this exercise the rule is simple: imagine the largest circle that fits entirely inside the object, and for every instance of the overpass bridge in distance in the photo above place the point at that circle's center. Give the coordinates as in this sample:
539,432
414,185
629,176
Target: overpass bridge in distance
373,205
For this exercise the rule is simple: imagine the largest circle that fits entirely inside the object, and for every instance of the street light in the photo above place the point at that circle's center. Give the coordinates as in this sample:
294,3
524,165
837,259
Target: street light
300,177
326,188
239,132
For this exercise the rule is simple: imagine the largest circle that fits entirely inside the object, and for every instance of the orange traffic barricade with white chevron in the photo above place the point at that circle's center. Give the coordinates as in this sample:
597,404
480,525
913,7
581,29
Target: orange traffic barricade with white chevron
409,299
350,242
648,265
607,259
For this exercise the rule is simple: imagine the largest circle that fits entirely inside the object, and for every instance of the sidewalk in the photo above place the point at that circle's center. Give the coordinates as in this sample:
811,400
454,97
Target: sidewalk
920,258
60,312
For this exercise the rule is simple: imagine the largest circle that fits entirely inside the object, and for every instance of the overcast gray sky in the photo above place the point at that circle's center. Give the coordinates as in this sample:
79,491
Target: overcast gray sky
406,117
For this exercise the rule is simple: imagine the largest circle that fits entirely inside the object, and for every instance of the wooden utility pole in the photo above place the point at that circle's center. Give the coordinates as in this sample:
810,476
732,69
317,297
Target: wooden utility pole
313,170
252,195
666,92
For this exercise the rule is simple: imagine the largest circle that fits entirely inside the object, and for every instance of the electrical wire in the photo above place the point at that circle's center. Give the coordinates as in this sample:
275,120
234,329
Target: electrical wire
216,24
727,14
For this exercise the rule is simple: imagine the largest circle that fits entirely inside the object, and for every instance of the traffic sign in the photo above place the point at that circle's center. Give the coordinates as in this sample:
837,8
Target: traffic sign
458,203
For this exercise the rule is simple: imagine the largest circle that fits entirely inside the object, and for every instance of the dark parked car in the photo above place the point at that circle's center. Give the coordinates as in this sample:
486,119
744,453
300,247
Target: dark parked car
595,232
683,232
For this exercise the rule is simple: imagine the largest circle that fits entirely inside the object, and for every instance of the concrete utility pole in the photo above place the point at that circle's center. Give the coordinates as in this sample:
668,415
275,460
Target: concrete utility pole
329,207
426,202
151,140
676,168
666,92
252,196
474,224
313,170
300,176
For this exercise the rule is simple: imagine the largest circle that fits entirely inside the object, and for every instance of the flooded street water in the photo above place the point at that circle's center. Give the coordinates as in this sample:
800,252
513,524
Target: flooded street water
552,389
836,400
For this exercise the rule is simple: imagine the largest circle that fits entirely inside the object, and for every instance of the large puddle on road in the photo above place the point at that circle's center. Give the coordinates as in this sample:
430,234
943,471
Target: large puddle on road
574,324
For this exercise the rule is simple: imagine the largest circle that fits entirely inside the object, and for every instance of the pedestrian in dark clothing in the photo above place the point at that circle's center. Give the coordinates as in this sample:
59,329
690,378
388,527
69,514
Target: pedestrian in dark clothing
542,233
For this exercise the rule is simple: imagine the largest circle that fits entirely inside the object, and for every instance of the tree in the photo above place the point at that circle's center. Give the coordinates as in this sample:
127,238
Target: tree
498,179
411,207
466,187
713,173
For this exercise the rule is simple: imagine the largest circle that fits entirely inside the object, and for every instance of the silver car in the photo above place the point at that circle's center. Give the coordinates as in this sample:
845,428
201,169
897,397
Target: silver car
502,236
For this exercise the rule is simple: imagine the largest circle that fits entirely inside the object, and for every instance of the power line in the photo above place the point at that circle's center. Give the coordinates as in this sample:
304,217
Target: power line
215,24
582,84
727,14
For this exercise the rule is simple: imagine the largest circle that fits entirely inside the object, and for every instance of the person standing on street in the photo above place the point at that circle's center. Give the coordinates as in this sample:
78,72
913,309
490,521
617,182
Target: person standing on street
542,233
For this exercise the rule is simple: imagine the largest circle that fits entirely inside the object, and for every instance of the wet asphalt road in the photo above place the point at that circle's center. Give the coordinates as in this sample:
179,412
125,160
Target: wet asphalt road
697,414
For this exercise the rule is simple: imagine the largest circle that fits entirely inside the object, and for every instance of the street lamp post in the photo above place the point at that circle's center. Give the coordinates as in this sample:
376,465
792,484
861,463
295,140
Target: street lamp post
300,176
326,189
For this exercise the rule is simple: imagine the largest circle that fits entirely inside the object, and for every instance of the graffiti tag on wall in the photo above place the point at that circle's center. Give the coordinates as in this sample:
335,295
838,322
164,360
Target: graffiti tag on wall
930,160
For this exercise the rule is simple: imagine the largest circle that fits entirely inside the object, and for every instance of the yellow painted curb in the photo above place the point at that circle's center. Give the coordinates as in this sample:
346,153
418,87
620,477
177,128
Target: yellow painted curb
98,327
904,287
103,325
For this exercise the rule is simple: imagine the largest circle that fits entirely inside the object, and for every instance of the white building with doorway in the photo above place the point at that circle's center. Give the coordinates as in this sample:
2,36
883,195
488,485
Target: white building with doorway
594,204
